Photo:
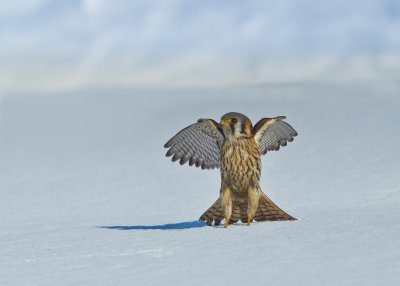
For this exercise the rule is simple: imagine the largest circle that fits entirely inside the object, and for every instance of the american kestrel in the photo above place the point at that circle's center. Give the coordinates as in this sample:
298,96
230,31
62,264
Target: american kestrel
235,146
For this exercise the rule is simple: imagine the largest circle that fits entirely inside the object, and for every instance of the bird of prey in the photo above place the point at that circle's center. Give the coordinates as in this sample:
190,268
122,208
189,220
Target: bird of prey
235,146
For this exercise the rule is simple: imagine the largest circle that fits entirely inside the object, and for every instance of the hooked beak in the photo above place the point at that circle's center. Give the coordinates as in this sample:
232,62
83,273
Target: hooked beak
224,123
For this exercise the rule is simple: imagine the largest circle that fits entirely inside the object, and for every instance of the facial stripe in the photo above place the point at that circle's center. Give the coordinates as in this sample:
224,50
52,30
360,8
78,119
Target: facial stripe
243,127
231,125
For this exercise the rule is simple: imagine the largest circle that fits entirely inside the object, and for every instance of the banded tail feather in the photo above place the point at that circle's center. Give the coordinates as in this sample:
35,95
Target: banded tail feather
267,210
213,214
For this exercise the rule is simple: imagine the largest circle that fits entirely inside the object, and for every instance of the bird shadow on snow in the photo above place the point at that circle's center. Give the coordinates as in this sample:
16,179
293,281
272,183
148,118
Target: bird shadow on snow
169,226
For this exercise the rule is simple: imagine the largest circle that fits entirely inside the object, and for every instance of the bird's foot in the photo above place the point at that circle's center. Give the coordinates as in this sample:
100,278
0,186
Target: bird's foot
226,223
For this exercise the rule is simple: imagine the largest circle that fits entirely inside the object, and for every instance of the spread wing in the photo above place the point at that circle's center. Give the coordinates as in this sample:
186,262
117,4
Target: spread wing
198,143
272,133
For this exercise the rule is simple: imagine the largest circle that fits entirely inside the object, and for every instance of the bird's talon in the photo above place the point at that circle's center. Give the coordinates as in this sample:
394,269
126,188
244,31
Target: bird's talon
226,223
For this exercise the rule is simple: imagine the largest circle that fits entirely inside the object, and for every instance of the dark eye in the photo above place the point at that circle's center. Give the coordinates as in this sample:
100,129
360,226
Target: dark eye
234,120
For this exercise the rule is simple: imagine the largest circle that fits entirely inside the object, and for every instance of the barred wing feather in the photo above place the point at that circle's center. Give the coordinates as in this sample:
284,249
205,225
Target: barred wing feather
272,133
199,144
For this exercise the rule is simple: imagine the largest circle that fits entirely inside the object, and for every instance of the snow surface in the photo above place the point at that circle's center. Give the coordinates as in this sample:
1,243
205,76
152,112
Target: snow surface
88,198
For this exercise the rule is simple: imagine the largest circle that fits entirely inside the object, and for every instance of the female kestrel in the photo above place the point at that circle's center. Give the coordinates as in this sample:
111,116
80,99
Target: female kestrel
235,146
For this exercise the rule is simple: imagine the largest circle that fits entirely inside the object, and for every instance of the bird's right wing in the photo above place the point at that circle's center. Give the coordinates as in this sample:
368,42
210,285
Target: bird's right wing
199,143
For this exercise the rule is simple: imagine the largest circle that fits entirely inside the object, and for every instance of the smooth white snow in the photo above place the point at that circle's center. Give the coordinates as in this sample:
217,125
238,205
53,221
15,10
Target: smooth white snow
88,198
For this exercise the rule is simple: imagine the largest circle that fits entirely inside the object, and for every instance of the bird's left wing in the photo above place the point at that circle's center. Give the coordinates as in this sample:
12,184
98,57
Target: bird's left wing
198,143
272,133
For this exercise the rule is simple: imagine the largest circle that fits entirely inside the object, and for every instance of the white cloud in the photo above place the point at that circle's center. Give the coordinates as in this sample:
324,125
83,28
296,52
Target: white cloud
92,6
10,8
72,44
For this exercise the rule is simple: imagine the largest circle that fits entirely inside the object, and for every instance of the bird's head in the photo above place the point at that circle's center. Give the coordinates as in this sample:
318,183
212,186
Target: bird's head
236,125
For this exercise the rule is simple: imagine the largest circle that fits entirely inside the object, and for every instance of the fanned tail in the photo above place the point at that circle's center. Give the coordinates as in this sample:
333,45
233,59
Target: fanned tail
213,214
266,211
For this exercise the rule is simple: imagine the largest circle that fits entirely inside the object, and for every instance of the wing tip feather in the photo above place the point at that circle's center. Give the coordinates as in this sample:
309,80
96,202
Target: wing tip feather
169,153
168,144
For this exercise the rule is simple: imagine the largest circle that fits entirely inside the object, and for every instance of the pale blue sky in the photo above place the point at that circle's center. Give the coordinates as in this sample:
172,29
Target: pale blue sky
72,44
